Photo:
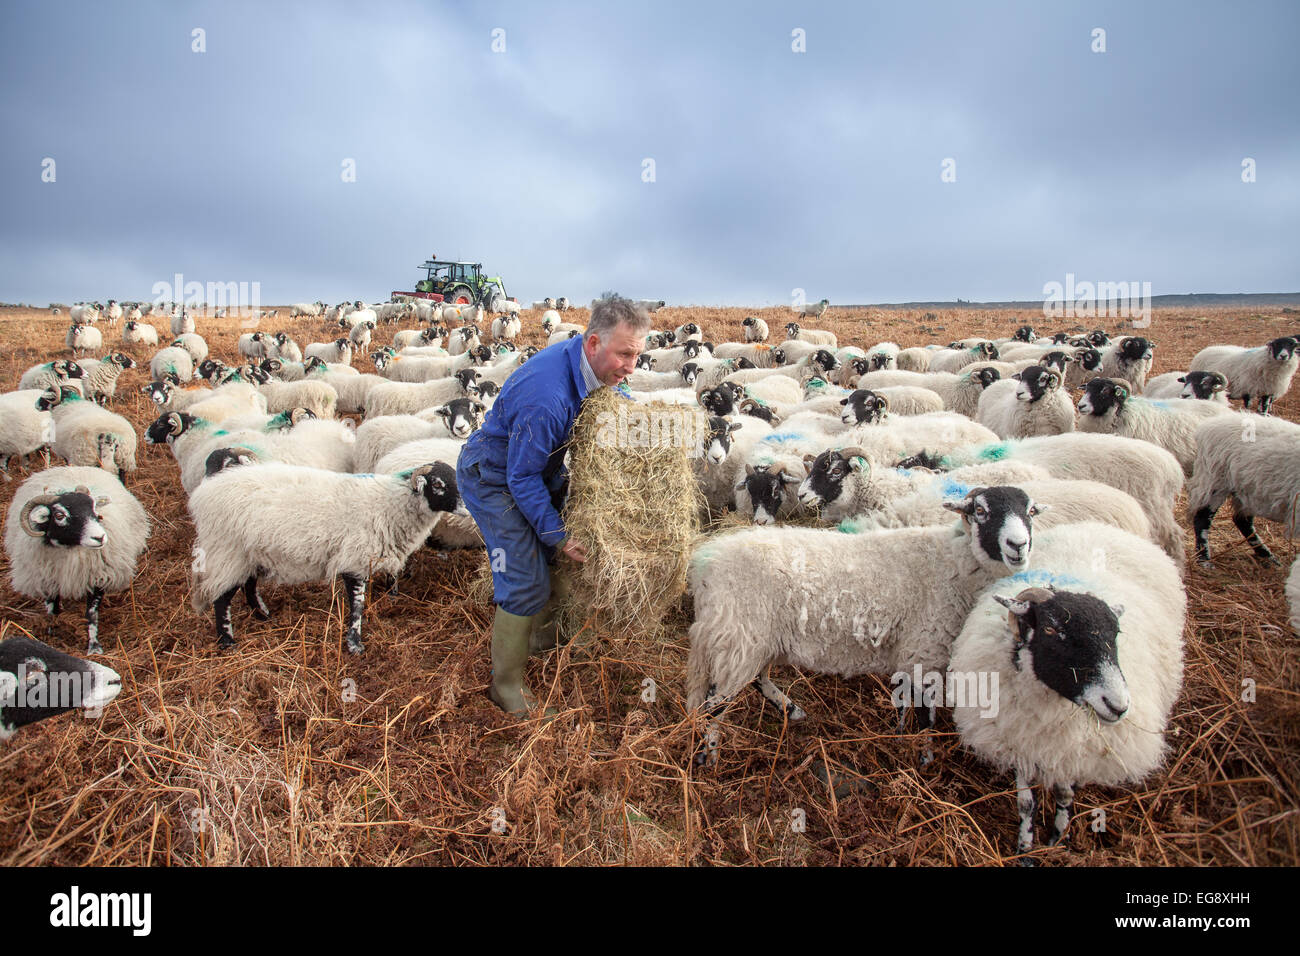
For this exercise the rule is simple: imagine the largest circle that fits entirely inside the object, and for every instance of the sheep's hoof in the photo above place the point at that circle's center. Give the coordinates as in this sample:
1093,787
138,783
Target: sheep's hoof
94,647
355,646
225,643
1205,564
261,613
1026,861
796,713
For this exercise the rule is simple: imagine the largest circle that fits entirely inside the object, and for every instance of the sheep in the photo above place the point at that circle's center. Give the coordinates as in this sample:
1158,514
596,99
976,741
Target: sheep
280,346
1088,664
1205,386
52,375
1108,408
464,339
99,380
760,355
655,381
686,332
505,366
406,398
175,360
339,351
818,337
253,345
139,333
954,360
562,304
816,310
1256,462
1264,373
960,392
424,369
416,337
506,329
793,595
83,338
308,530
30,670
360,335
648,305
74,532
359,316
186,434
1147,472
562,335
671,359
182,323
24,429
1032,403
238,397
307,309
83,312
376,437
86,434
910,400
318,396
1130,358
550,320
755,329
914,359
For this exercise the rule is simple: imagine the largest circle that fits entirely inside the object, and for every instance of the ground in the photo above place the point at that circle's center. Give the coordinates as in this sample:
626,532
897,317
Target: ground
287,750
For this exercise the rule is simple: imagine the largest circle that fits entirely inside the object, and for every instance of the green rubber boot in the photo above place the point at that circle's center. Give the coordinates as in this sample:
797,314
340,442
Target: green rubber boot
546,629
510,633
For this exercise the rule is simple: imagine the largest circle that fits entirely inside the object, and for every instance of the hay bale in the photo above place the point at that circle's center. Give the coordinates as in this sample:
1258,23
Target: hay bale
635,504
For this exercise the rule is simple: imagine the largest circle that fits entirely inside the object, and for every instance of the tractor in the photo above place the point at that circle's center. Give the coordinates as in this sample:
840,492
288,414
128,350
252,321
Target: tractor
455,282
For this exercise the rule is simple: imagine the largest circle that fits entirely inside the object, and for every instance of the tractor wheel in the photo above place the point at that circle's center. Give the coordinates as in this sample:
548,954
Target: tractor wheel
458,295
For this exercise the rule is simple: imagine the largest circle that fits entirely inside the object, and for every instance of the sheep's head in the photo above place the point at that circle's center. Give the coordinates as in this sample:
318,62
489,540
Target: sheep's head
645,362
864,407
467,378
1134,348
1203,385
1000,522
462,416
689,372
1282,349
29,670
224,458
208,368
1102,397
1057,360
984,376
754,409
436,481
1088,359
717,440
825,360
1070,641
66,369
1036,381
766,487
271,366
65,520
792,330
55,396
1025,334
159,392
169,427
826,473
1098,337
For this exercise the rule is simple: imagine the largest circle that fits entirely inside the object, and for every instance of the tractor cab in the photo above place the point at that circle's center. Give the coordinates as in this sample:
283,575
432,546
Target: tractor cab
456,282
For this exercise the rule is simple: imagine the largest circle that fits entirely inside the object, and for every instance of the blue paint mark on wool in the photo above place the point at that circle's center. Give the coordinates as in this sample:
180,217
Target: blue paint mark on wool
1043,578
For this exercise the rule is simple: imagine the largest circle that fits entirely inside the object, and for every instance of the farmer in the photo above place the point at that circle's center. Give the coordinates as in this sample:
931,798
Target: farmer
512,477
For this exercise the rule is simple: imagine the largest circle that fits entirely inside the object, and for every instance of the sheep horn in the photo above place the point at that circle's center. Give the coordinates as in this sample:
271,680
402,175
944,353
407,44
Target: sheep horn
175,425
853,452
27,510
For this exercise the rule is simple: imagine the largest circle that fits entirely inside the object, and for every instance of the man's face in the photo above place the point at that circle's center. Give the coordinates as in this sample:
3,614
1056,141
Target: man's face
614,360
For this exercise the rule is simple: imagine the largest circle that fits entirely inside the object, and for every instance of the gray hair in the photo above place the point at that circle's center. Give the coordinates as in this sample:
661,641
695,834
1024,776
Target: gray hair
608,314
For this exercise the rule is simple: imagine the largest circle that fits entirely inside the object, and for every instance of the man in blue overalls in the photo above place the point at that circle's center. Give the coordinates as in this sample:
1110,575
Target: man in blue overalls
512,478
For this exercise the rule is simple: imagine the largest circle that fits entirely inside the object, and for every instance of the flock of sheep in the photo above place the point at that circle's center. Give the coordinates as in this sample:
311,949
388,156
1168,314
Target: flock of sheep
977,519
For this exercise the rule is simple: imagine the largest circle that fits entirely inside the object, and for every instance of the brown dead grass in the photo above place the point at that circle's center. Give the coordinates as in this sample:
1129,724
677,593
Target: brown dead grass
288,751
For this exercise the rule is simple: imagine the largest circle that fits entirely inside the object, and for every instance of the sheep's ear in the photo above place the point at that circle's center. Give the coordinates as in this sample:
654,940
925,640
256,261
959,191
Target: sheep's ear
749,471
1219,385
1121,393
1053,380
789,479
1182,380
732,426
858,463
844,401
443,411
1117,610
1036,508
963,507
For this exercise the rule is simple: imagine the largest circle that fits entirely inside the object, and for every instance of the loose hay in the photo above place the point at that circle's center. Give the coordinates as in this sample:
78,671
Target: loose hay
635,505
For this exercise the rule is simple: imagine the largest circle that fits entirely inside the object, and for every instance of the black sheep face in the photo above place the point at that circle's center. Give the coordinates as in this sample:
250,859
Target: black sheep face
645,362
1070,641
863,407
1025,334
824,360
825,477
68,521
1282,349
157,392
718,401
744,363
691,349
1101,396
985,376
1135,349
989,349
792,330
437,483
37,682
466,377
1000,520
748,321
1089,359
766,491
1035,382
209,368
778,356
462,416
689,372
1060,338
1098,338
1202,385
167,428
717,443
1056,360
224,458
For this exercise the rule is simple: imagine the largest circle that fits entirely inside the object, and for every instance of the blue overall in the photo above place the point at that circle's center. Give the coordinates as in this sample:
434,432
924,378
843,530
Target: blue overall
512,478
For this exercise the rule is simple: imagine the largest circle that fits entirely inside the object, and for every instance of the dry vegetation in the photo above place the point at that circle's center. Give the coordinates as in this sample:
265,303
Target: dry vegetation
288,751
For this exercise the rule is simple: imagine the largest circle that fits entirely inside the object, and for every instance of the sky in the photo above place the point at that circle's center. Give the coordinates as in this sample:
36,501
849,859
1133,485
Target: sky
720,153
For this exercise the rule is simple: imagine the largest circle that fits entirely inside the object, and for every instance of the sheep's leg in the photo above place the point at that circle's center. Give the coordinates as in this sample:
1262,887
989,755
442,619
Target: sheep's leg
4,464
92,621
1245,402
356,606
1265,403
1201,528
52,609
713,706
1025,804
1246,525
1064,796
254,599
774,694
221,611
925,720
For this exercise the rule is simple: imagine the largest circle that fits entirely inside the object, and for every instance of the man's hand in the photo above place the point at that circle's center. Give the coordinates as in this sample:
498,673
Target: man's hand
573,550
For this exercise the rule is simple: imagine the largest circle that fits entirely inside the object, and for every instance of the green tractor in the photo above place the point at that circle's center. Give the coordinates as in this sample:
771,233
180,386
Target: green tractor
457,283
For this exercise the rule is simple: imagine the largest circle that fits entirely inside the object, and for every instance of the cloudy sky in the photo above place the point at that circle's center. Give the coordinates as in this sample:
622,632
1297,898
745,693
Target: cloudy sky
770,169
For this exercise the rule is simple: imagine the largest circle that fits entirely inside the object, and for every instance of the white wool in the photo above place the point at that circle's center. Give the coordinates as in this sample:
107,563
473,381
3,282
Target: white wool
1170,424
